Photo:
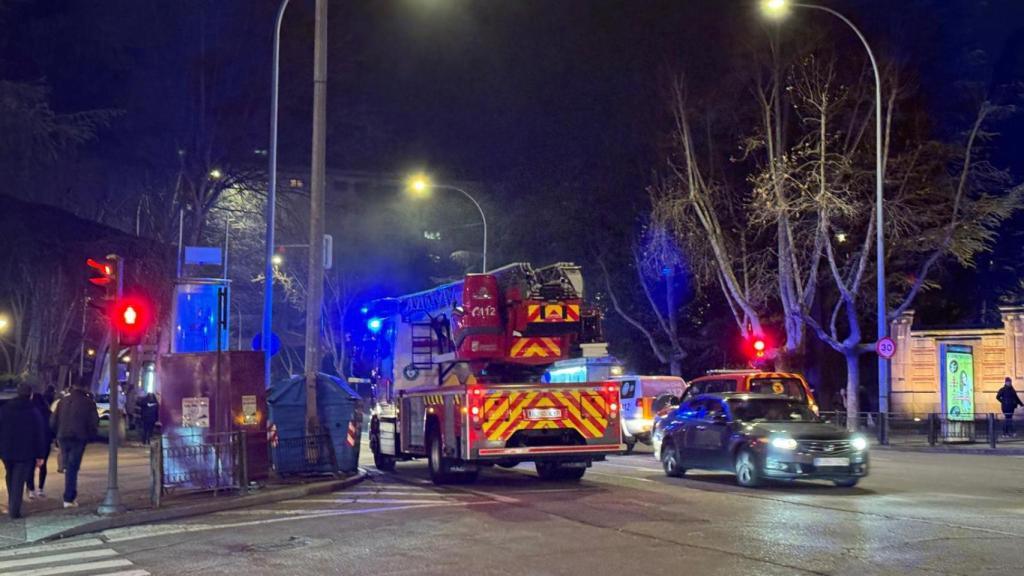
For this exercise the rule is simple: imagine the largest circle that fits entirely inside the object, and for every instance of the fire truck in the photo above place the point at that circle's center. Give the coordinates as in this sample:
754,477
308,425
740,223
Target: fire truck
456,376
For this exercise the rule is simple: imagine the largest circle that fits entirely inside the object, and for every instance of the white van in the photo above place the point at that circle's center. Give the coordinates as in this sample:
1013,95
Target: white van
638,394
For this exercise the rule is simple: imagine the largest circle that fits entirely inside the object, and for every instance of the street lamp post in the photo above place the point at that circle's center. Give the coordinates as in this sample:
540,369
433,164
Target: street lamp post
268,270
779,8
420,184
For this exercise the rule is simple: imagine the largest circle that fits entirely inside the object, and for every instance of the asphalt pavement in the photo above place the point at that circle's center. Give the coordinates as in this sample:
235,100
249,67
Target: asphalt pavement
915,514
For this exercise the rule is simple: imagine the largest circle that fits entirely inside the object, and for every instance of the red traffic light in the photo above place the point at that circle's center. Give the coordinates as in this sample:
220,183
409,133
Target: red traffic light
758,347
131,318
105,271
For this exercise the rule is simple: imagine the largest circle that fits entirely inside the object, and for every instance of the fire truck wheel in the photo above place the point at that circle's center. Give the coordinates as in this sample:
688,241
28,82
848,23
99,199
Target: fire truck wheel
508,464
439,473
383,462
630,444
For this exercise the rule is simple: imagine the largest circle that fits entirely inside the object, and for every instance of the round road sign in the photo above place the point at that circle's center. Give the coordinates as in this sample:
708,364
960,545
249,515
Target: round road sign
886,348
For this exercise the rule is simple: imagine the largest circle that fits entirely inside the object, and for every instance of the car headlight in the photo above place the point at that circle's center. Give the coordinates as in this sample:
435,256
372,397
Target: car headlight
859,443
784,443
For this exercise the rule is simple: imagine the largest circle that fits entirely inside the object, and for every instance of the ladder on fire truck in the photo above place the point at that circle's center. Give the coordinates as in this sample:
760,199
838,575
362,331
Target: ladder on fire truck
423,345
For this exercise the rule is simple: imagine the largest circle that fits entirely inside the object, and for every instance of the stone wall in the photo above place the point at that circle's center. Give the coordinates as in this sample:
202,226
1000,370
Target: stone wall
998,353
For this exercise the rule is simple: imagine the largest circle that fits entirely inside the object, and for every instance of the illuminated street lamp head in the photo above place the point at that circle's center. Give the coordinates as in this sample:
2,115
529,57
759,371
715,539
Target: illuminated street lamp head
277,259
419,184
4,323
776,9
216,174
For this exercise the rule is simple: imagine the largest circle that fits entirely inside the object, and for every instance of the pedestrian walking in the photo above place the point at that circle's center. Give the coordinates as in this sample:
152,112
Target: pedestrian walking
22,437
43,408
149,412
75,423
1008,401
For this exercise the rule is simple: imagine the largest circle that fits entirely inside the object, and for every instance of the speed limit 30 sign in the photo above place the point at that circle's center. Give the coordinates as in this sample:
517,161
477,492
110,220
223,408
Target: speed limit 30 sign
886,348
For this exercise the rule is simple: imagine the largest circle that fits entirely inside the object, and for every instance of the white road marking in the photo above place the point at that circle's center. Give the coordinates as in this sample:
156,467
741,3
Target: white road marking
645,468
272,511
51,547
126,534
620,476
93,567
53,558
420,493
491,495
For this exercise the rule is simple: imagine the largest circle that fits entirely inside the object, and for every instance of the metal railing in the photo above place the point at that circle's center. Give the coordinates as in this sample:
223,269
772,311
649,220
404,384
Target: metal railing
924,430
308,454
199,461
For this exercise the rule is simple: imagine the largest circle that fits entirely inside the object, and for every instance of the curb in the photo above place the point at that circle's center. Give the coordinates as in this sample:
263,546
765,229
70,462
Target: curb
953,450
174,513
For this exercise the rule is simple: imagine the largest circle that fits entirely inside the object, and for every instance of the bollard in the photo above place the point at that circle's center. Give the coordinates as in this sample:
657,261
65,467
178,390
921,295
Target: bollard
243,469
991,430
883,428
931,429
156,469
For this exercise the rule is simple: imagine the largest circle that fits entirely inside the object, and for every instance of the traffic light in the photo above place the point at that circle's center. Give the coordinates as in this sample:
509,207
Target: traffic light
103,274
759,346
130,318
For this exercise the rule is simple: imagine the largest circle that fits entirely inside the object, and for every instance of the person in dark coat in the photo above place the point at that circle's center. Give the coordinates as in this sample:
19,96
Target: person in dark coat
149,413
43,407
75,422
1009,401
22,443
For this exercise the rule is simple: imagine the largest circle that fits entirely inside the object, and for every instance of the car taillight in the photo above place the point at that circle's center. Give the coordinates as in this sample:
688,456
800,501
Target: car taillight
476,399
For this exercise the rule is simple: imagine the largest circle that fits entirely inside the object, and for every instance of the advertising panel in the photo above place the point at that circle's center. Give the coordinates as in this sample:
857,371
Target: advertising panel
957,381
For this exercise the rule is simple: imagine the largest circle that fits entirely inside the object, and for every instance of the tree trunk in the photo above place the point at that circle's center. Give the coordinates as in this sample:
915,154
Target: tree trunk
676,366
852,387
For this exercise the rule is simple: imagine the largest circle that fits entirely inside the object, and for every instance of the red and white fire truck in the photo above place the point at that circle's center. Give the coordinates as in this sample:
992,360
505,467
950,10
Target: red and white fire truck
457,373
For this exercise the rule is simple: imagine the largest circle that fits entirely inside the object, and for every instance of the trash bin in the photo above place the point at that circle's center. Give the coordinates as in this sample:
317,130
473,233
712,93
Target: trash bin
335,448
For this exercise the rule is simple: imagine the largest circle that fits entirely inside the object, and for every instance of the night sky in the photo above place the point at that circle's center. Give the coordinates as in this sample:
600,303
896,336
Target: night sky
474,89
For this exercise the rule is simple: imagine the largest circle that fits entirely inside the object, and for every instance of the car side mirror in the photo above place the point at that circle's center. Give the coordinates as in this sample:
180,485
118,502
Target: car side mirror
720,417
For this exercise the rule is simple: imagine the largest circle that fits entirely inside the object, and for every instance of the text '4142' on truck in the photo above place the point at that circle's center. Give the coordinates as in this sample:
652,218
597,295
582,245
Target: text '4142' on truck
457,374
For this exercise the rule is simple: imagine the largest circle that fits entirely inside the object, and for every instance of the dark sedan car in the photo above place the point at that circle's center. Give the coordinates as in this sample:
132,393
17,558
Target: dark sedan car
758,436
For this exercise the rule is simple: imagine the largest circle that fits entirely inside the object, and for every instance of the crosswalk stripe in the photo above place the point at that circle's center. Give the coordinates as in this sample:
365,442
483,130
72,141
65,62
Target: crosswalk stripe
88,567
54,558
42,548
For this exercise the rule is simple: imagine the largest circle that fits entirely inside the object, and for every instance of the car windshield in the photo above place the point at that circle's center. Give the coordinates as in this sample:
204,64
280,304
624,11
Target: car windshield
770,410
787,387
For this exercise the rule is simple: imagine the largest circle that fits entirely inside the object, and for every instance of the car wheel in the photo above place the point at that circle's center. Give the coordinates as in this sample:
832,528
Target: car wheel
508,464
846,482
748,472
555,472
670,461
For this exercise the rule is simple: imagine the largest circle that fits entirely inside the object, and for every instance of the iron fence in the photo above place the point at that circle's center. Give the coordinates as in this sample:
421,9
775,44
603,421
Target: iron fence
198,461
307,454
923,430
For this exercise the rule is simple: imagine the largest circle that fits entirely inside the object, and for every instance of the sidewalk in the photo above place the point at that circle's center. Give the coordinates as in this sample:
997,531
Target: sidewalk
45,519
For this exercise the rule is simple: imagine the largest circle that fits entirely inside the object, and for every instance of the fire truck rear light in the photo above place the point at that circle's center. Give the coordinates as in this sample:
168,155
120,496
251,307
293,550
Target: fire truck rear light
476,410
610,389
464,410
614,407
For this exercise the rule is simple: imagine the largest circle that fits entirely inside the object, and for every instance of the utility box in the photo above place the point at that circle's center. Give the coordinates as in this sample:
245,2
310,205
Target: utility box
207,396
335,448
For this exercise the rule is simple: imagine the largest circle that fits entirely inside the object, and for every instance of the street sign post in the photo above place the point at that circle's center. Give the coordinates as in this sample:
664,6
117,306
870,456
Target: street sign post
886,348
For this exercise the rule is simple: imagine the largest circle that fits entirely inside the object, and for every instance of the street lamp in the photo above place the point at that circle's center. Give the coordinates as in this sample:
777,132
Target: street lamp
4,323
420,185
778,9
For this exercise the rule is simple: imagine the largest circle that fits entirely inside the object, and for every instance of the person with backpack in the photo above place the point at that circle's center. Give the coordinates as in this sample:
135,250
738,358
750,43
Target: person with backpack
75,423
1008,401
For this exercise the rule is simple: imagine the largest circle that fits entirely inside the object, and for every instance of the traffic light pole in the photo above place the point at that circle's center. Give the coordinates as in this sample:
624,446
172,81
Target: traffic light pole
112,502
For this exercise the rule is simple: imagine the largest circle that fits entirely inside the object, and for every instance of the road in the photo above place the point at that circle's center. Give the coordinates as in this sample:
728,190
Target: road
915,514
